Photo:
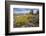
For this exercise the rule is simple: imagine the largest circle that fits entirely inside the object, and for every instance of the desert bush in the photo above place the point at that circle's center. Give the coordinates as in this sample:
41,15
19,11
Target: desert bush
22,20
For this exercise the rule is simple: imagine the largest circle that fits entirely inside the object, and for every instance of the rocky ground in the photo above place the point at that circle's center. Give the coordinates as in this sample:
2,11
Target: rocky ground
30,25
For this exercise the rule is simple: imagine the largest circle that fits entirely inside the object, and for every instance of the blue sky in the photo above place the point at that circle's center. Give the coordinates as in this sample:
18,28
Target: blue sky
23,10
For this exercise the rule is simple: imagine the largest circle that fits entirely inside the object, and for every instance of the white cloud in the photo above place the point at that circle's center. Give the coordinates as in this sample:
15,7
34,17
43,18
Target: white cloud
34,11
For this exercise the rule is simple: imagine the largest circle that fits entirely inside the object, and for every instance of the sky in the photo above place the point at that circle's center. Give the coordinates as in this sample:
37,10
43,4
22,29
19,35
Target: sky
24,10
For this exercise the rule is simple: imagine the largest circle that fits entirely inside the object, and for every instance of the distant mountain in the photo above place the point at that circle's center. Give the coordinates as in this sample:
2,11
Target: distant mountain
20,13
